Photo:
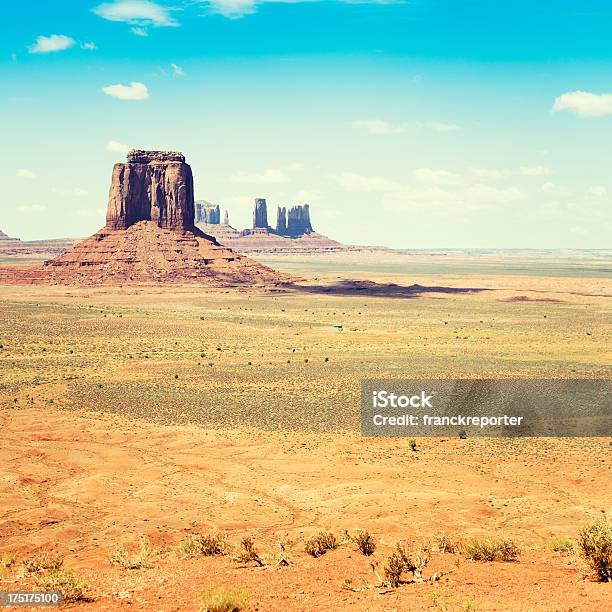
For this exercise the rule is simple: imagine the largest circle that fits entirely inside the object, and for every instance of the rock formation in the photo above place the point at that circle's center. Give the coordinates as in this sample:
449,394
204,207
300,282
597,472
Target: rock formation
207,213
281,221
152,186
226,218
260,214
3,236
150,235
298,221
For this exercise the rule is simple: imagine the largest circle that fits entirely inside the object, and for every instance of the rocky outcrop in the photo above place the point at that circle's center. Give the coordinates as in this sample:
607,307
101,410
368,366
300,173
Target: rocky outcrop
207,213
260,214
3,236
281,221
152,186
150,235
298,221
226,218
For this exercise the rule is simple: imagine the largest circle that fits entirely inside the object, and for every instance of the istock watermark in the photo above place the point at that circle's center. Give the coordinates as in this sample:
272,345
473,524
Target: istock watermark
499,408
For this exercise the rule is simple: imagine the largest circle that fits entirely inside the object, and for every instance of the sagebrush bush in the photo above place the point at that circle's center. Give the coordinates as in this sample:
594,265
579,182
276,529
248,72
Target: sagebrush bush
43,562
219,599
207,545
490,550
445,544
364,542
403,560
595,546
143,556
64,581
319,544
248,552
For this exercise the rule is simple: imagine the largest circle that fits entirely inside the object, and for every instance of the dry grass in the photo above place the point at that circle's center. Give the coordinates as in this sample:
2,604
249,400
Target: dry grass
561,545
490,550
64,581
445,544
319,544
43,563
143,556
595,546
219,599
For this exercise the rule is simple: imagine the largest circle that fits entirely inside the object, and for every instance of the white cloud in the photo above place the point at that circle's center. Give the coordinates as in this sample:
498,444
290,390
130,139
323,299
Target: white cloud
31,208
232,9
584,104
439,126
487,194
89,46
139,31
51,44
117,147
136,12
133,91
597,191
269,177
178,71
76,192
489,173
27,174
427,175
378,126
535,171
554,190
358,182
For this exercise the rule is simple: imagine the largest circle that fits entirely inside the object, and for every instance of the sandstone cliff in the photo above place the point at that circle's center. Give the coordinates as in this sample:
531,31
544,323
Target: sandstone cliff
260,214
152,186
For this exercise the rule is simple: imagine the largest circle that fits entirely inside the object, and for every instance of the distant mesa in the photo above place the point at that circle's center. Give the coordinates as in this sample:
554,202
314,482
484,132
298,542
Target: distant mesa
150,234
293,231
3,236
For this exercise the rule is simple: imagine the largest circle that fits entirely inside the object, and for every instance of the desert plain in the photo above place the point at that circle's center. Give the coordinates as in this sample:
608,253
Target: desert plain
155,412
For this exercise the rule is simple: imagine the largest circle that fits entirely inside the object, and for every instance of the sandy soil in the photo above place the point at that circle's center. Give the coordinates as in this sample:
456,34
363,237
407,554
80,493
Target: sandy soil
144,411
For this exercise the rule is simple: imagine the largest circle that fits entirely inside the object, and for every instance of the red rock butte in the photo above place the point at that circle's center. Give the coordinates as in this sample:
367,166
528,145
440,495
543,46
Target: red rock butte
150,236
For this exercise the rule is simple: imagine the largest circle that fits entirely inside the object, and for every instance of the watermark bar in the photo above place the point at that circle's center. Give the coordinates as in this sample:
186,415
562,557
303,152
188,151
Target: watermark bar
492,408
30,598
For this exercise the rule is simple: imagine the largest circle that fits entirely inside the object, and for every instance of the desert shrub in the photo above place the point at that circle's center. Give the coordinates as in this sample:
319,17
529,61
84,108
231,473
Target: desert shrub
402,560
248,552
412,443
219,599
595,546
143,556
64,581
7,560
364,542
207,545
445,544
283,559
319,544
43,562
490,550
562,545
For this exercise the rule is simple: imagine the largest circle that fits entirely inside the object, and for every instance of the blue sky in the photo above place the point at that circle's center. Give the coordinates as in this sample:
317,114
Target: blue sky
465,123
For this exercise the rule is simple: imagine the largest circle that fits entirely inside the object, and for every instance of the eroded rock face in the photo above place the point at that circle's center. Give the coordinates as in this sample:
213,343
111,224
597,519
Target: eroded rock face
260,214
298,221
152,186
281,221
208,213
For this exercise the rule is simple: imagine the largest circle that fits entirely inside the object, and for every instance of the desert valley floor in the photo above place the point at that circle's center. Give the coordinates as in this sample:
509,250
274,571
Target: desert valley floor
158,412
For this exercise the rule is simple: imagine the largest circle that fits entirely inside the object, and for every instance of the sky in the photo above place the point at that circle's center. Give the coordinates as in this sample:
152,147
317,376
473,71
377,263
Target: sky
416,124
